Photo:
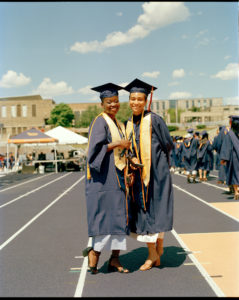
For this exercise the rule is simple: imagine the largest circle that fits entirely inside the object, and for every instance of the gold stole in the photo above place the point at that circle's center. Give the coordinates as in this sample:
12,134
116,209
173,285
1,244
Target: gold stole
145,144
120,162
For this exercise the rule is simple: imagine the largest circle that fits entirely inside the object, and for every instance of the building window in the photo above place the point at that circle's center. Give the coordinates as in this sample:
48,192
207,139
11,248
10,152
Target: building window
19,110
163,105
186,103
157,106
34,111
24,110
13,111
14,130
210,102
4,111
19,130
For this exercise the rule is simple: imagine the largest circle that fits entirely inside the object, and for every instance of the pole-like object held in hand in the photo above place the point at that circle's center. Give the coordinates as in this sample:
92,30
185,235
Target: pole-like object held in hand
151,98
124,150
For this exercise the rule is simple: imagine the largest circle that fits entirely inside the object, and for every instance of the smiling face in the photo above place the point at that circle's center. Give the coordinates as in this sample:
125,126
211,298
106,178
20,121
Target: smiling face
111,105
137,102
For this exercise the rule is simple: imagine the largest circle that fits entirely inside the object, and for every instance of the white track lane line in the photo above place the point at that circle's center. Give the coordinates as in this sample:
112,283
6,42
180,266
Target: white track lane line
205,202
33,191
39,214
11,187
207,277
215,186
84,268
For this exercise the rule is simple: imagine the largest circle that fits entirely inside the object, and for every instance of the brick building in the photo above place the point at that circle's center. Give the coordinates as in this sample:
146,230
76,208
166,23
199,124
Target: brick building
18,114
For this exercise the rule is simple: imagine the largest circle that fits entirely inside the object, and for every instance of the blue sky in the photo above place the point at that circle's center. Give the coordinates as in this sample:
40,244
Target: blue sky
61,49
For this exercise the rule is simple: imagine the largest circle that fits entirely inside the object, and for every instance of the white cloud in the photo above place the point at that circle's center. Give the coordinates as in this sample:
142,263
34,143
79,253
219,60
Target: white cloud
173,83
227,57
12,79
180,73
202,32
230,72
184,36
156,15
49,89
119,14
86,90
180,95
154,74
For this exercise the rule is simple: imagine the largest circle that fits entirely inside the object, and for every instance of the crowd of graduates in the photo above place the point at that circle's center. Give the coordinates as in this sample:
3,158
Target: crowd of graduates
193,155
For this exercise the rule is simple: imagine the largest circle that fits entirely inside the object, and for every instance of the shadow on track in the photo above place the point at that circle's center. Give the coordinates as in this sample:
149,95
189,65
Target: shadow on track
172,257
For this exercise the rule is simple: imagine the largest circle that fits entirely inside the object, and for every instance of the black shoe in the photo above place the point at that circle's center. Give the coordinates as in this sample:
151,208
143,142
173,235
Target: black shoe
85,253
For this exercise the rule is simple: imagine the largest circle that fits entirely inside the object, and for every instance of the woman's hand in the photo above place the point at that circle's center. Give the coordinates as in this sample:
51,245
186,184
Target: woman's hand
124,144
223,162
136,161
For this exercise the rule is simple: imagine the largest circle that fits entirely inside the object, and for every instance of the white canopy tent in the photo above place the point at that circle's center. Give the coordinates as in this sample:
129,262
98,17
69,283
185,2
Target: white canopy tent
66,136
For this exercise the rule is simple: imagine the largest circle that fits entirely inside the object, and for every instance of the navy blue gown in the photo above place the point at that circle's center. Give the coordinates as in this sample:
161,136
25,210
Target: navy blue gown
189,154
158,216
230,153
105,191
217,144
204,155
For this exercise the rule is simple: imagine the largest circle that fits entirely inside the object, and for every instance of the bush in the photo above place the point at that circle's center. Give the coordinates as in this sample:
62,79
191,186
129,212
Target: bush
172,128
201,126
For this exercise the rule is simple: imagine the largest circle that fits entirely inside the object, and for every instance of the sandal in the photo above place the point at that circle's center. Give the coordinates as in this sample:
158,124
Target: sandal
119,269
96,254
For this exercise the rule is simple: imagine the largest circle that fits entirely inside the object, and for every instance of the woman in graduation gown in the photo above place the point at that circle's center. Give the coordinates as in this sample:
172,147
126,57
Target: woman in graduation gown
105,192
204,156
189,155
229,154
151,193
217,144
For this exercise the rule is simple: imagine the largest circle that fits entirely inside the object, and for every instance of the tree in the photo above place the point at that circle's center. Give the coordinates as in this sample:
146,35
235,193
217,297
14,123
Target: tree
124,112
61,115
87,116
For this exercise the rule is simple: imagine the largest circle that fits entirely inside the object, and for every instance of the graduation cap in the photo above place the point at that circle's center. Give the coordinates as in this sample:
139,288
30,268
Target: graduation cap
107,90
197,133
190,130
234,117
235,122
139,86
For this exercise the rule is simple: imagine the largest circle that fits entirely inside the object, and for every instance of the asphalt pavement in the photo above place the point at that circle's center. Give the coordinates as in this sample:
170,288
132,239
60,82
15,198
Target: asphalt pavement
44,230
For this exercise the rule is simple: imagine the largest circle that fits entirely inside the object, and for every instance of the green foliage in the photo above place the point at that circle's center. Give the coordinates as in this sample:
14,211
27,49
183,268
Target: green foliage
172,128
124,112
201,126
195,109
61,115
172,113
88,115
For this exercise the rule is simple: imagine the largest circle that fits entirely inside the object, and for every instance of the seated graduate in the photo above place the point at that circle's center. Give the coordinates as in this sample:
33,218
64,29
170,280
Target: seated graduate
106,198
